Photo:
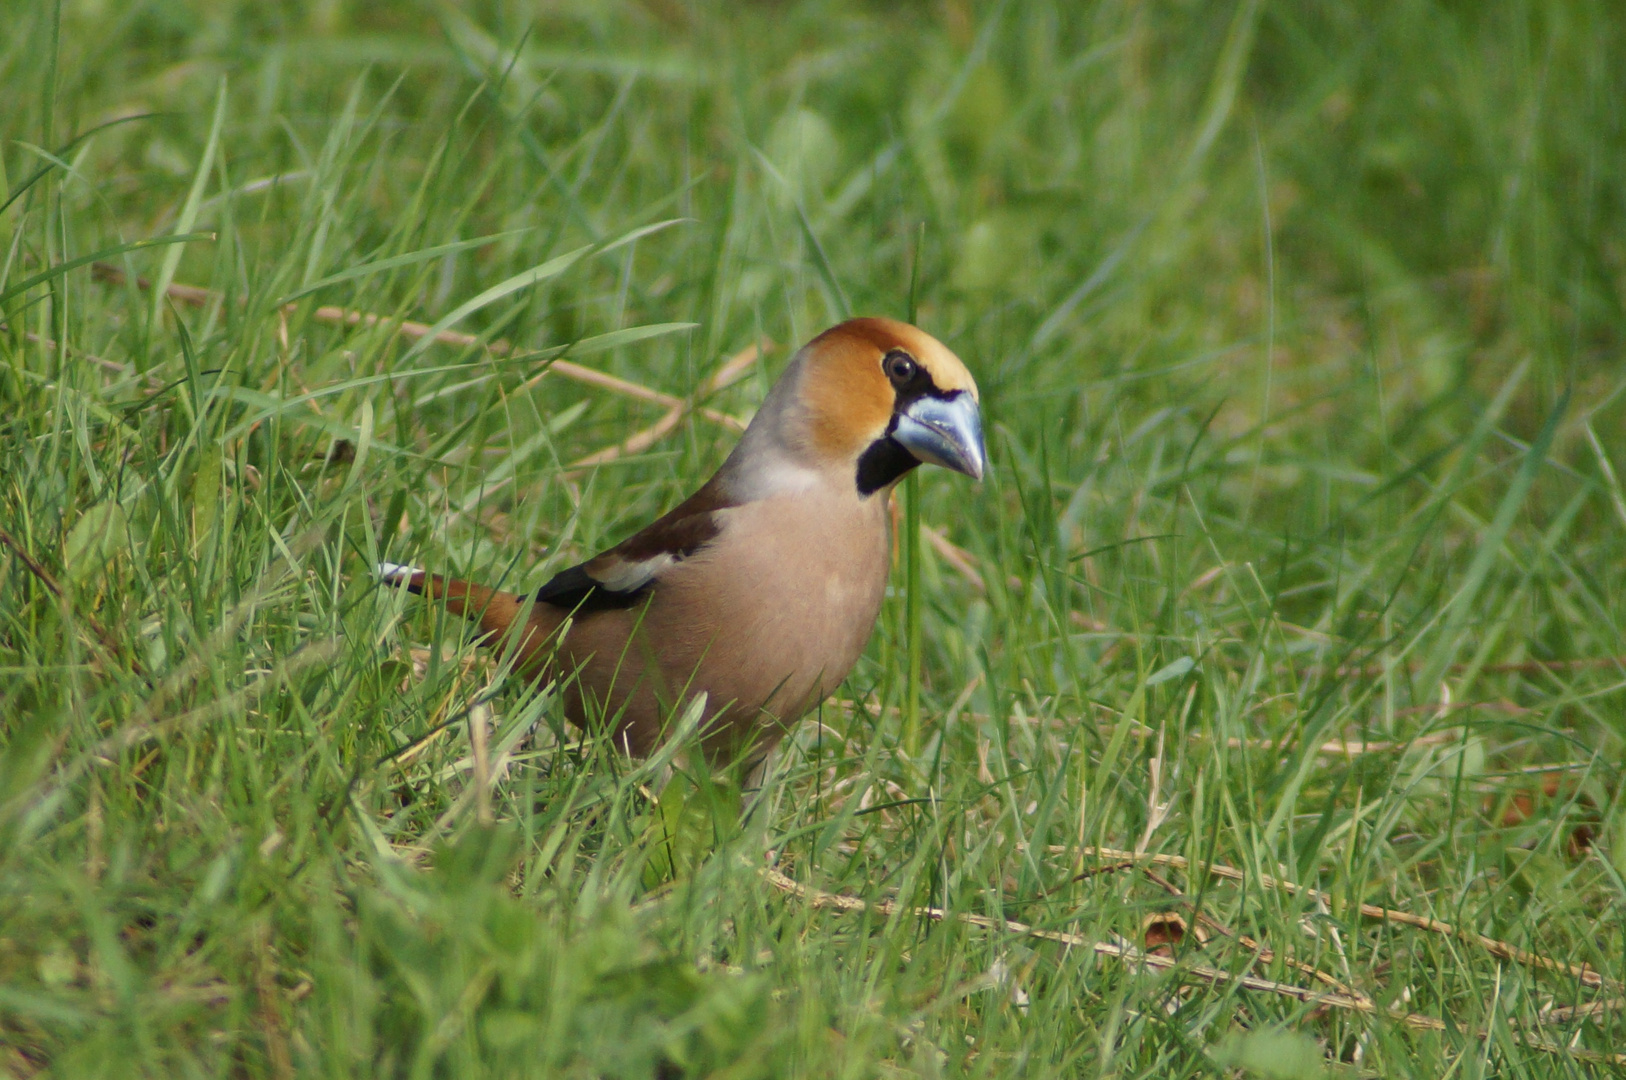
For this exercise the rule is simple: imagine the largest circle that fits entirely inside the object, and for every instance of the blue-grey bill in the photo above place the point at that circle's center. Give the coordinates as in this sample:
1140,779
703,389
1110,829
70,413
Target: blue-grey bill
944,431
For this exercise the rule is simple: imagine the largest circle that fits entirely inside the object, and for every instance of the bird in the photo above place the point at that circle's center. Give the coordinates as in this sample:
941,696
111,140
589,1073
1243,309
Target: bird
761,589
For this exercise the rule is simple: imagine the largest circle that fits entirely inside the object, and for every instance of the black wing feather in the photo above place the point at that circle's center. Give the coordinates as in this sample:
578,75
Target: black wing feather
677,534
577,590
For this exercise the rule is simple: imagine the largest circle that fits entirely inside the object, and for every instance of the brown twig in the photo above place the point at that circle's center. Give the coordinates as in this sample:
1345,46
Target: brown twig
730,372
1136,958
33,565
1570,1013
1588,976
1338,747
1346,747
1518,667
1263,954
635,444
48,343
959,559
334,315
108,643
1095,871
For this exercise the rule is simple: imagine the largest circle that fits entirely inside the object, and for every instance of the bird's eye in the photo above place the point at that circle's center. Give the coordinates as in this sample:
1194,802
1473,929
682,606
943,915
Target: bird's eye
900,367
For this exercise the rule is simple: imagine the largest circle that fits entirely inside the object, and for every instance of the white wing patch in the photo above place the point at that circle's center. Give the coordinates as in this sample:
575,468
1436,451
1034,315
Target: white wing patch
626,577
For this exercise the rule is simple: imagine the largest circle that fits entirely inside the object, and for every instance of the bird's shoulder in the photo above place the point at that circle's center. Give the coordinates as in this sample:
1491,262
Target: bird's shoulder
622,576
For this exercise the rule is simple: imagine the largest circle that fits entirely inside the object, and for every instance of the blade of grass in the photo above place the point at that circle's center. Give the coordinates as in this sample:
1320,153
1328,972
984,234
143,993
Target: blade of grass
1460,607
63,268
411,258
189,210
911,552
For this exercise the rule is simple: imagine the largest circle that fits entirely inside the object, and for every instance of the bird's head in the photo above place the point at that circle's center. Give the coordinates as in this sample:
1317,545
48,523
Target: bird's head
878,397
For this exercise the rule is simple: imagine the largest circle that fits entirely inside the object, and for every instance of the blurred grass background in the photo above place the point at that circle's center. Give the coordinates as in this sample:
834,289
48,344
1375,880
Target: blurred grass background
1299,331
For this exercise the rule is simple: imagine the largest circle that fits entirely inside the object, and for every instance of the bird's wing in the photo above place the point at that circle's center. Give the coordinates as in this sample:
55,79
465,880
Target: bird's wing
624,575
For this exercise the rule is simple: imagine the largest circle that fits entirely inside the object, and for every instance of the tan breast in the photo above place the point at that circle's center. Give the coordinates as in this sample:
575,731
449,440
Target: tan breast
766,620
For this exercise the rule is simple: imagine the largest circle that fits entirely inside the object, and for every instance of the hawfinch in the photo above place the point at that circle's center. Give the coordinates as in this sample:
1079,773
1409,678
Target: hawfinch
759,590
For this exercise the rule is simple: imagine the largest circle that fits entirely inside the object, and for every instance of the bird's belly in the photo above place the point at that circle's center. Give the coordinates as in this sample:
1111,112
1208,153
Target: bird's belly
765,629
798,645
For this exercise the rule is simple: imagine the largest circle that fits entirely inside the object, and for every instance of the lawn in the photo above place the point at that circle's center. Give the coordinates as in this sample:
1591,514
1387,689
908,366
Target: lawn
1261,714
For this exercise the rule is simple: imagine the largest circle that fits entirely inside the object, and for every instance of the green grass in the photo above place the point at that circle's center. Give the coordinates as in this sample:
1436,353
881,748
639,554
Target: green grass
1299,331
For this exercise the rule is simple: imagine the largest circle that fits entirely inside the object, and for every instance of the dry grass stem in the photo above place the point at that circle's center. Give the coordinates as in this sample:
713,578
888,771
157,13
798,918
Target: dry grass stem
1518,667
1348,747
479,733
1570,1013
730,372
104,639
1263,954
1136,958
1587,975
1156,811
958,558
50,345
338,316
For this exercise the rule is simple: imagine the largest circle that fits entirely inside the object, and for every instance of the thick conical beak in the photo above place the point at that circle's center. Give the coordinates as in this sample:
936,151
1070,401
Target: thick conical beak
944,431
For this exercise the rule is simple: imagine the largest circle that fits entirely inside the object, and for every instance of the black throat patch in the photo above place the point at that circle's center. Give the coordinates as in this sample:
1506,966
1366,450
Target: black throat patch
882,463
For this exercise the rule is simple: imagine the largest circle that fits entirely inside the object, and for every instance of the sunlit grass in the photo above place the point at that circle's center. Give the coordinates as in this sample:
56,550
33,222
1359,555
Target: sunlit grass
1301,551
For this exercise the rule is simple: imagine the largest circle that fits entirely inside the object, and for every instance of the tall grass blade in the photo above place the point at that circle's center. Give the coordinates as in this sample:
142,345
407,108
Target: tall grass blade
189,209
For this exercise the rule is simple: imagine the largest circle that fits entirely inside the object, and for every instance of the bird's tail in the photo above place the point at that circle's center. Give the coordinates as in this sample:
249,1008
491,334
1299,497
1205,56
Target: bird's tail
497,610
